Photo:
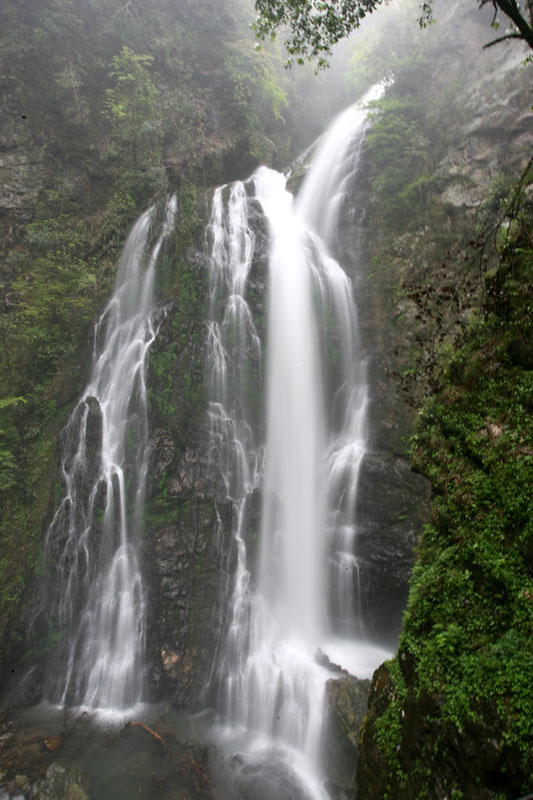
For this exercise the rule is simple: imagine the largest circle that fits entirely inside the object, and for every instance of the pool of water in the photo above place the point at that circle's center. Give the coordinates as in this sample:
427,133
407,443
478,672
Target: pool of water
158,754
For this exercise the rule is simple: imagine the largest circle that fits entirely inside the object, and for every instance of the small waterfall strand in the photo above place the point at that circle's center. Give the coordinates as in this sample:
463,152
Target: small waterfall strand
336,164
93,537
234,363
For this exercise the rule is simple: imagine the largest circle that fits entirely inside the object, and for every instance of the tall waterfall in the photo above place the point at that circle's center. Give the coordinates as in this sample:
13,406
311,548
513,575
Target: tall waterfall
298,597
93,540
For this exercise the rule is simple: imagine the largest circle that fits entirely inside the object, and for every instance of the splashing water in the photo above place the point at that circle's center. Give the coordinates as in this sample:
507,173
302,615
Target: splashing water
92,542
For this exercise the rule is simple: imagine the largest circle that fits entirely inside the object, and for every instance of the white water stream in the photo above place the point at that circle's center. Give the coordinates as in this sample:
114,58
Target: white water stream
295,597
93,538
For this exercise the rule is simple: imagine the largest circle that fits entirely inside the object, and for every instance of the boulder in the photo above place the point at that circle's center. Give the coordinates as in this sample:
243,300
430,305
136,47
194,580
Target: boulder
347,698
60,783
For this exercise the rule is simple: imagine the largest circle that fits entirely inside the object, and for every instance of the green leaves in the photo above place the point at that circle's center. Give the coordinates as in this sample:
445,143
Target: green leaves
8,463
465,659
131,105
314,26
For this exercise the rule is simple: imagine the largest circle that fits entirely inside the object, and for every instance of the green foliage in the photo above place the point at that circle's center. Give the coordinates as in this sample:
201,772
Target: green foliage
257,95
411,128
7,456
254,80
400,149
465,651
131,105
311,28
177,377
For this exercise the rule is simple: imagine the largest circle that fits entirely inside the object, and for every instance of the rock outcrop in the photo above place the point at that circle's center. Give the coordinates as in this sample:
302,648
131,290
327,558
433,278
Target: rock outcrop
347,702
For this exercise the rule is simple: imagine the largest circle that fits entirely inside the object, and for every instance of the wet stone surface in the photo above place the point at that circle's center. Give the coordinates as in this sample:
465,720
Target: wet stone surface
347,702
47,756
393,505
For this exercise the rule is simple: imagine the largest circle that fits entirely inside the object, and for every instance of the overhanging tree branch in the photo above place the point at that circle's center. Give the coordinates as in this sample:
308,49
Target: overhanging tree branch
503,39
311,27
513,11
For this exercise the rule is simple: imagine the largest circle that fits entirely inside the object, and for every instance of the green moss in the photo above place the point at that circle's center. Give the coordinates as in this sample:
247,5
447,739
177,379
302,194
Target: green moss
465,658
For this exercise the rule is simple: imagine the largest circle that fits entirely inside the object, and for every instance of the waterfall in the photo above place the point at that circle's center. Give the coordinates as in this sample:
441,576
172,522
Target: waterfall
92,544
297,598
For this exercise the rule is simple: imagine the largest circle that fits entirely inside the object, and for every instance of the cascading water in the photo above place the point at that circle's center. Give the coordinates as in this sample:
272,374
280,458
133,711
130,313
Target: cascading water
92,542
303,598
234,349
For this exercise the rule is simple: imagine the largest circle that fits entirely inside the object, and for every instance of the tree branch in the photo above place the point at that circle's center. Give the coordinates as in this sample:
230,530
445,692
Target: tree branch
511,9
503,39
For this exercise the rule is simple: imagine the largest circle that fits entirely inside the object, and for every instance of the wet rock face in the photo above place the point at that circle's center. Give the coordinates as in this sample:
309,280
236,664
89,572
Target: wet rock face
188,543
392,506
266,779
22,171
347,703
24,685
392,501
259,224
257,283
187,583
186,547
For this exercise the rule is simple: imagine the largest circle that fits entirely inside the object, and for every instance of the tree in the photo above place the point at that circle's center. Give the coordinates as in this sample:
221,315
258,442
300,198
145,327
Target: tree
314,26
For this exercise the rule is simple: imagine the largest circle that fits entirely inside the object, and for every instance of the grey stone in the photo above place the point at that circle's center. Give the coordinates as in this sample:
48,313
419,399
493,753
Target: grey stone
347,699
60,784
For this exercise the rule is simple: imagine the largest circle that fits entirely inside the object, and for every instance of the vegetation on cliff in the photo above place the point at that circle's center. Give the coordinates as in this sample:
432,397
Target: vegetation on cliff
451,714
